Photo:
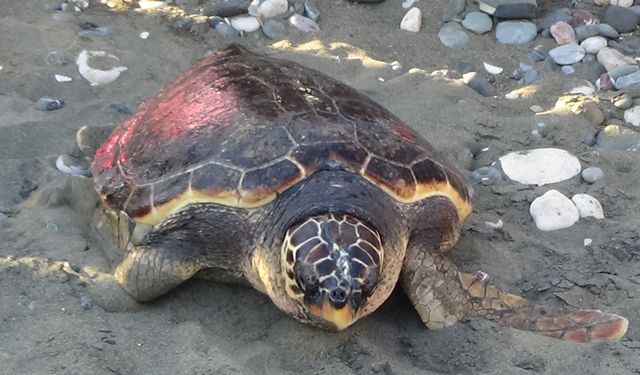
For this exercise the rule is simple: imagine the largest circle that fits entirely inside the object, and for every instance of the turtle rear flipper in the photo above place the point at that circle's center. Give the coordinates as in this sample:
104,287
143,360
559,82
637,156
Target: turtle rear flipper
90,138
442,295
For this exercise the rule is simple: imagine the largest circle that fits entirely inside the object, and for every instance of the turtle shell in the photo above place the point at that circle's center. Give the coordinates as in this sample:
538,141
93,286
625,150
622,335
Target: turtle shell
238,128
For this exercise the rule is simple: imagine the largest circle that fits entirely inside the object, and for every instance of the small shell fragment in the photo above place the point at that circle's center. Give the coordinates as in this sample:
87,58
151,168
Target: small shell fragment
144,35
97,77
61,78
492,69
74,170
303,23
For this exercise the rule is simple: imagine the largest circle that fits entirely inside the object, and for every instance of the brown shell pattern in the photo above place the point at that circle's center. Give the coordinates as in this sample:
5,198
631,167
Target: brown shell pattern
238,128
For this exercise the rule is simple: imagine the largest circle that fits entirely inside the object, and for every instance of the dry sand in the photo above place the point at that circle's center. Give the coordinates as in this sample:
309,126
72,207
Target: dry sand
206,328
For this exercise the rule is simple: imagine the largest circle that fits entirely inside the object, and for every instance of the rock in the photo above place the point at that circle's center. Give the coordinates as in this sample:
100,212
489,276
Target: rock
143,35
636,8
607,30
593,113
556,15
486,176
303,24
616,137
98,77
540,166
516,32
529,74
225,29
588,206
563,33
463,66
268,8
553,211
47,103
274,30
593,44
248,24
452,35
567,69
622,19
85,303
509,9
412,20
604,83
628,80
622,101
612,59
581,17
536,108
227,8
492,69
538,54
457,6
592,174
586,31
567,54
310,11
477,22
61,78
622,3
632,116
478,83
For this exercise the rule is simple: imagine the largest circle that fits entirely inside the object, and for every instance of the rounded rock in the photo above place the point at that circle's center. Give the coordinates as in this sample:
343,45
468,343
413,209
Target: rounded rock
516,32
563,33
632,115
274,30
593,44
452,35
623,101
47,103
412,20
247,24
592,174
626,80
477,22
303,23
616,137
540,166
553,210
622,19
567,54
478,83
612,58
588,206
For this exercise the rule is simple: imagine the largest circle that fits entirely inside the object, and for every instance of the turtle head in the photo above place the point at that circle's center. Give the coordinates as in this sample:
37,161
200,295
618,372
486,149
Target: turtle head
332,264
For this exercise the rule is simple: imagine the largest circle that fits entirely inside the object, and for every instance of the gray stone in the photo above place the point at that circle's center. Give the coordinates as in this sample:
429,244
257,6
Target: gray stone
592,174
616,137
556,15
225,29
538,54
478,83
227,8
636,9
567,69
622,101
310,11
623,70
516,32
628,80
457,6
274,30
587,31
622,19
86,303
608,31
509,9
453,35
477,22
529,74
47,103
567,54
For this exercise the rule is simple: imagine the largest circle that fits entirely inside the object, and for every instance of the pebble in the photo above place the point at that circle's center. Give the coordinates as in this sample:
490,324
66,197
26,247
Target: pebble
97,77
47,103
592,174
567,54
452,35
247,24
310,11
593,113
604,83
612,59
582,90
553,211
55,58
529,74
582,17
540,166
586,31
85,303
593,44
492,69
608,31
623,101
620,18
463,66
303,24
567,69
509,9
486,176
61,78
274,30
268,8
536,108
228,8
636,8
516,32
412,20
588,206
556,15
632,116
616,137
538,54
563,33
478,83
621,3
626,80
143,35
225,29
477,22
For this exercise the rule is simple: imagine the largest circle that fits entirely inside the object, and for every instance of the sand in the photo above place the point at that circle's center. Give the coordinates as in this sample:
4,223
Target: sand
48,260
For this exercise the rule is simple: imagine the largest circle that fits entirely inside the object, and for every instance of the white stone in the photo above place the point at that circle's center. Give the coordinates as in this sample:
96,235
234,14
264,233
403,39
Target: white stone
61,78
412,20
622,3
588,206
492,69
584,90
540,166
247,24
144,35
97,77
268,8
587,242
632,115
593,44
303,24
553,211
406,4
612,59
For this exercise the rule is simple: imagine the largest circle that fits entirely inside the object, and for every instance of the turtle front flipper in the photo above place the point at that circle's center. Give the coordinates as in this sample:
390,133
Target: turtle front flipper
147,272
442,295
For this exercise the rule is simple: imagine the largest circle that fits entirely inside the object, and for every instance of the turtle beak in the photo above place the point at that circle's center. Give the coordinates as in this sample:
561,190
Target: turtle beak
339,317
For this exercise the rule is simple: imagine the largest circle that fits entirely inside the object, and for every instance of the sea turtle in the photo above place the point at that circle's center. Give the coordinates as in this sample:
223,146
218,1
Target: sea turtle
253,169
